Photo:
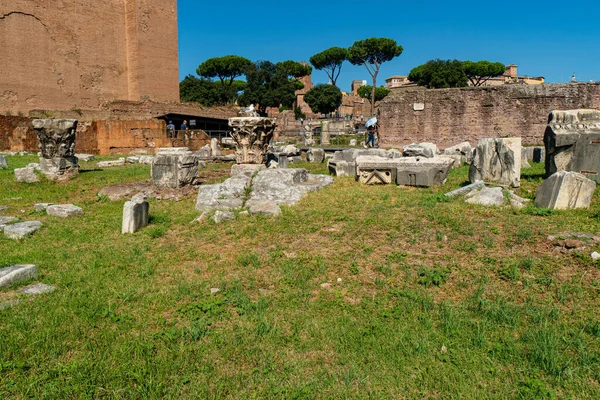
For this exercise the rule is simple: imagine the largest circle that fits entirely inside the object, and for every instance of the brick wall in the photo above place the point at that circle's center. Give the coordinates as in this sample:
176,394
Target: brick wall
102,137
450,116
74,54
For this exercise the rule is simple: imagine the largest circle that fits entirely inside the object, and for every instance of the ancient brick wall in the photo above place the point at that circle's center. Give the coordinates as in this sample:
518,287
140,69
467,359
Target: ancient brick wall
450,116
102,137
74,54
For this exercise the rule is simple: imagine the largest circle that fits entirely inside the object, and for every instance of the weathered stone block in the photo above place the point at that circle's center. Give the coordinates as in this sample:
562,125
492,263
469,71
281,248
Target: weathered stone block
22,229
425,149
421,171
3,163
16,273
146,160
265,208
222,216
246,169
487,196
85,157
315,155
341,168
285,186
64,210
565,190
371,170
26,175
223,196
174,167
465,189
112,163
572,142
497,160
37,289
135,214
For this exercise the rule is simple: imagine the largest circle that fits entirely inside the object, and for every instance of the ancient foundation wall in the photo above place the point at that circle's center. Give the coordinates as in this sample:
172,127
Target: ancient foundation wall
450,116
102,137
74,54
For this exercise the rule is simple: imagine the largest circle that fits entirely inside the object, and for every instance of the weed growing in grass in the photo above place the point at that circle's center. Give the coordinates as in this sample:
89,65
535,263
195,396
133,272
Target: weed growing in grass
509,272
433,276
531,209
155,231
354,269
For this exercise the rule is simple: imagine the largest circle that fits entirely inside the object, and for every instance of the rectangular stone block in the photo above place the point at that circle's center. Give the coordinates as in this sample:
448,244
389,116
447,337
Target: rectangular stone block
565,190
420,171
572,142
135,214
497,160
376,170
174,167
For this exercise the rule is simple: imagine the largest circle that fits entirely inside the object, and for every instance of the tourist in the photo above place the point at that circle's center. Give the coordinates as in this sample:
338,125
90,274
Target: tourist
184,126
171,130
371,137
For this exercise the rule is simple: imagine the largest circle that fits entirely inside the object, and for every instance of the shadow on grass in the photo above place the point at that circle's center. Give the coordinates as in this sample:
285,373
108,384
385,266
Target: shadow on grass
84,171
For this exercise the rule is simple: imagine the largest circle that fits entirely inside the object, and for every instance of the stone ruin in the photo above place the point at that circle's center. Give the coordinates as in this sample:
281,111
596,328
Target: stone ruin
572,142
565,190
57,145
497,160
252,135
174,167
260,190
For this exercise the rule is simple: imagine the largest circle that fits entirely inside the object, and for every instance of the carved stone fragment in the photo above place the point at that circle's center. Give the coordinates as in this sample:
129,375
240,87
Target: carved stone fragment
252,136
572,142
57,145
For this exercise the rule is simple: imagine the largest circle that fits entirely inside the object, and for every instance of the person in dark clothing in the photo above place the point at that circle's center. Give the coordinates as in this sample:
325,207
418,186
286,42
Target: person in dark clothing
184,126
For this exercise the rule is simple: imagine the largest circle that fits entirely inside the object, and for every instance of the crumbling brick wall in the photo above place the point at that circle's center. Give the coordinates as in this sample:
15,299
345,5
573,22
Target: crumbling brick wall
102,137
76,54
450,116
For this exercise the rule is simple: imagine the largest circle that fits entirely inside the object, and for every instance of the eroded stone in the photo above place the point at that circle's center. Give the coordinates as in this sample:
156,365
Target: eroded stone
497,160
174,167
16,273
22,229
565,190
135,214
64,210
26,175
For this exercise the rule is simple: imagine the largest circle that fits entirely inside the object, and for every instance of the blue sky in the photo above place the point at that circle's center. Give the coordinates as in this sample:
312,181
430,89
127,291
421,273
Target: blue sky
544,38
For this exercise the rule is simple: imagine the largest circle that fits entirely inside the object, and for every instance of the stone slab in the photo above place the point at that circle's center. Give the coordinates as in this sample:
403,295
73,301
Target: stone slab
222,216
37,289
246,169
265,208
372,170
41,206
85,157
174,167
112,163
424,149
565,190
487,196
465,189
315,155
16,273
22,229
422,171
223,196
7,220
64,210
3,162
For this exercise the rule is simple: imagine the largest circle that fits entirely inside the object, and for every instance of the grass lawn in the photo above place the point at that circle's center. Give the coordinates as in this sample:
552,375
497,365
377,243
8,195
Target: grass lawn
436,298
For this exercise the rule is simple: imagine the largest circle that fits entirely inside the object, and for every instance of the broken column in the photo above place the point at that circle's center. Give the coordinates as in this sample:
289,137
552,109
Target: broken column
174,167
135,214
565,190
497,160
57,145
572,142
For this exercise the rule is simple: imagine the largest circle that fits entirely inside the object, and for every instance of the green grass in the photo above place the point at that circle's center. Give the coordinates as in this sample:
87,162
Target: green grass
438,298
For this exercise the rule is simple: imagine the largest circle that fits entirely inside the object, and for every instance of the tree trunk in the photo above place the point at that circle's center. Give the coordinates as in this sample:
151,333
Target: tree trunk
373,94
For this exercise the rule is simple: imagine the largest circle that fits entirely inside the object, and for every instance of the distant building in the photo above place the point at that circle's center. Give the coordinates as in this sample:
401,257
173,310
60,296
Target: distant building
510,76
356,84
397,81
